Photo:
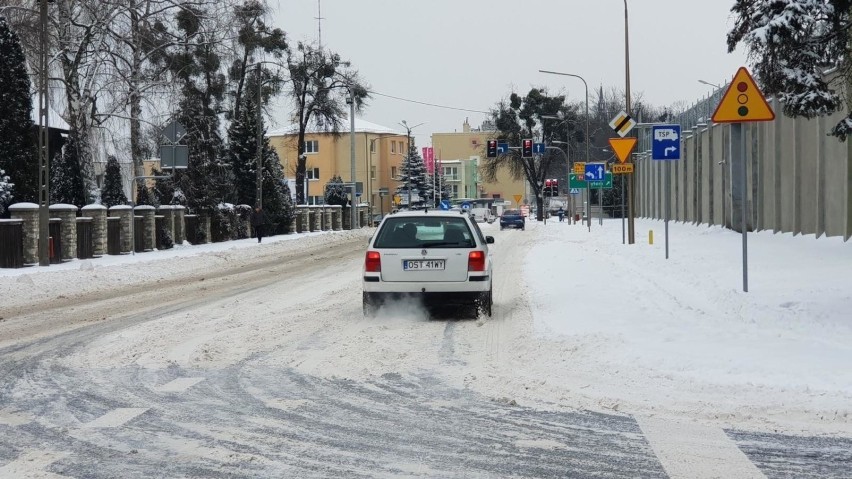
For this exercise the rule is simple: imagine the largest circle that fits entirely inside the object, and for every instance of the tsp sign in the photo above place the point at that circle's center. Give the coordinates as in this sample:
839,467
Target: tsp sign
665,144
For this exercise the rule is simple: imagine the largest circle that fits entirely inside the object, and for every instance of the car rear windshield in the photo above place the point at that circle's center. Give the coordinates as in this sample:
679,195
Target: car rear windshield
424,232
511,213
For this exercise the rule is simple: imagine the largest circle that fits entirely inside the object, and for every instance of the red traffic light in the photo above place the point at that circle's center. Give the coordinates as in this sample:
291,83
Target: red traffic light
526,148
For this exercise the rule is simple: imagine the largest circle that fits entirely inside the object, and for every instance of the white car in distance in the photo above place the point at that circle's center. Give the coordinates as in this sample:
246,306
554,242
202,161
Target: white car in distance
440,258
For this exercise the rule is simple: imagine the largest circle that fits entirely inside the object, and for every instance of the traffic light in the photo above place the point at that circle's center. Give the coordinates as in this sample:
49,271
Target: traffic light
554,187
548,187
491,149
526,148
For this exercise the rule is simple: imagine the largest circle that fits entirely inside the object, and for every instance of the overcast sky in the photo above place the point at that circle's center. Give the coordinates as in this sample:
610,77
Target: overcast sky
471,53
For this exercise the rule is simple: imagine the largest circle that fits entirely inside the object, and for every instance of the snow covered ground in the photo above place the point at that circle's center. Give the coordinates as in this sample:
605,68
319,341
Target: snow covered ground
681,335
581,322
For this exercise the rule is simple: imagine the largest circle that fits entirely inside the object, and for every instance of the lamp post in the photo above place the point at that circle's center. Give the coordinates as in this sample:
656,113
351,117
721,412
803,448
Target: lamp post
258,119
710,84
408,155
353,216
588,138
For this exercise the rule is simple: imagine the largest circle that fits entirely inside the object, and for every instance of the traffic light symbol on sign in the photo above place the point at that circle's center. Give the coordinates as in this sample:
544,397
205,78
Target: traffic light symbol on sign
526,148
743,102
491,149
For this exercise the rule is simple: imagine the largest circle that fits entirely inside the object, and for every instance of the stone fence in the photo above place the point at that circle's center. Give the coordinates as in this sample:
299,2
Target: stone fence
85,232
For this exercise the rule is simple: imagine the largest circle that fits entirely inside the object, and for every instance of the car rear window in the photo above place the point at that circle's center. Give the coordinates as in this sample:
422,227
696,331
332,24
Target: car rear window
424,232
511,212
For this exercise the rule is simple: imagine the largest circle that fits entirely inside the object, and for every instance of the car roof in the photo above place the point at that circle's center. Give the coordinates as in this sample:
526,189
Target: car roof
420,213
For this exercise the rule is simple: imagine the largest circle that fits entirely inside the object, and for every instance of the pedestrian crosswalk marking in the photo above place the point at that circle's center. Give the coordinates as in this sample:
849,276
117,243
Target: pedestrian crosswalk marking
117,417
694,451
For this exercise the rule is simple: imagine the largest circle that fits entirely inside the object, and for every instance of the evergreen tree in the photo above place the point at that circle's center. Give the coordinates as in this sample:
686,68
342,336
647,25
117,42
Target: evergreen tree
164,192
112,193
335,192
5,192
144,196
277,202
413,172
18,155
441,187
242,152
793,43
66,177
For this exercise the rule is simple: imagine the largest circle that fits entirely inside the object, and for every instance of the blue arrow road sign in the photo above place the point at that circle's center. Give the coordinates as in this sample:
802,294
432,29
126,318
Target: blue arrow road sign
665,142
445,205
465,205
595,171
502,148
538,148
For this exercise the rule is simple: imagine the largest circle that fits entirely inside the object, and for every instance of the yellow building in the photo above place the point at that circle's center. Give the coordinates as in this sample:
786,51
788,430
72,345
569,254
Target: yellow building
459,151
379,151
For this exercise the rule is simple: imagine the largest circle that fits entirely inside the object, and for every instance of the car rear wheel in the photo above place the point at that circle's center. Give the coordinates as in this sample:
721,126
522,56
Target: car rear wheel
368,305
485,302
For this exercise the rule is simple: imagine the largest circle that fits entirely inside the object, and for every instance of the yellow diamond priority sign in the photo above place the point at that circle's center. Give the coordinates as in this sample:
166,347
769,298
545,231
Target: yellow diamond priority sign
743,101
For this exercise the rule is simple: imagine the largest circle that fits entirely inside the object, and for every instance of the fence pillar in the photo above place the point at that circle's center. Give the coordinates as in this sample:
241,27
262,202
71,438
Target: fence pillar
327,224
148,223
336,217
346,217
68,215
168,214
98,213
204,225
179,224
124,214
28,212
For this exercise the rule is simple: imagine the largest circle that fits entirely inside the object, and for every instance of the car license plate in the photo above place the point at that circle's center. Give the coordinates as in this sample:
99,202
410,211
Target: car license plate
423,264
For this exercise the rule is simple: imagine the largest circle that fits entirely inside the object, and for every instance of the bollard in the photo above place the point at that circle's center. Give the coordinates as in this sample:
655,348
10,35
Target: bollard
650,236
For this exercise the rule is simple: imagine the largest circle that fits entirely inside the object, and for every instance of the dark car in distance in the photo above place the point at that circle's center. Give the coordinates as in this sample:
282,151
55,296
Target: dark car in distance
512,219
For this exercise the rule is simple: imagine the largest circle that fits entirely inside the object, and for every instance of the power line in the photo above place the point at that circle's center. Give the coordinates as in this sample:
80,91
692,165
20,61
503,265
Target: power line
429,104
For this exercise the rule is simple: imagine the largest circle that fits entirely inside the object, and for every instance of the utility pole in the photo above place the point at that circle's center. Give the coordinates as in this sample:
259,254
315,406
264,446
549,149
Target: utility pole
631,238
354,217
259,193
43,154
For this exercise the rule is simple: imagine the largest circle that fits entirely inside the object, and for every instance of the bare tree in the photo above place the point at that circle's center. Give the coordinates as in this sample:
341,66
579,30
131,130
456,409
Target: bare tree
321,84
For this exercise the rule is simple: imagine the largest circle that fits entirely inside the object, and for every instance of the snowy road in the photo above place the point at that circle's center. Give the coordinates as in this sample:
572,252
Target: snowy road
256,362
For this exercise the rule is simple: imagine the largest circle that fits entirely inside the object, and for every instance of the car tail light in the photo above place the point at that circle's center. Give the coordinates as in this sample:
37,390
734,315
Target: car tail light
373,262
476,261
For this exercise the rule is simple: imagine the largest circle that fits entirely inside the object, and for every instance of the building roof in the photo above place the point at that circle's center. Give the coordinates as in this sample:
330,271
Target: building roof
361,126
53,118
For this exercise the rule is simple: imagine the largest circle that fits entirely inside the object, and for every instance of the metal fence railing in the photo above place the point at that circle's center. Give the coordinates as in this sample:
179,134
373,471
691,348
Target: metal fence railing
11,243
113,235
85,242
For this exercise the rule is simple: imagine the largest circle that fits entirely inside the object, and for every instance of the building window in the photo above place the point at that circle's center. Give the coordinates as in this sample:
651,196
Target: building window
393,147
311,146
393,172
316,200
373,146
312,173
454,191
496,196
451,173
372,172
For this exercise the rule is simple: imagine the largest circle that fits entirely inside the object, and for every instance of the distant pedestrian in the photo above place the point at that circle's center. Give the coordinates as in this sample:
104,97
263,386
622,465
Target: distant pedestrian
258,222
561,214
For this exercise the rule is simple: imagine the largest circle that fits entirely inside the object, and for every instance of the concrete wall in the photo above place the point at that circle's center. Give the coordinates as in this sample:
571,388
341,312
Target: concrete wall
798,179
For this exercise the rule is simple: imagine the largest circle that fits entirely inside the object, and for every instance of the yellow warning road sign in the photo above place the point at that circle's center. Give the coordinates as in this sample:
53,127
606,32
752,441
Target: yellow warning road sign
518,199
743,101
580,168
622,169
622,147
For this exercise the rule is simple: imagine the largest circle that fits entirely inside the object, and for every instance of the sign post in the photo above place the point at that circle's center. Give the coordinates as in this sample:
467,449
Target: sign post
743,102
665,146
622,148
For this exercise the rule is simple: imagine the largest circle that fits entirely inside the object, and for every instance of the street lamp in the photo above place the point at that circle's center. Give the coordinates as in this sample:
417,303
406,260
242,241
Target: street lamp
408,155
588,138
630,227
711,84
